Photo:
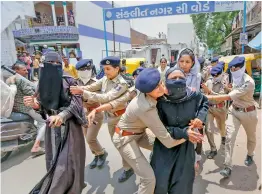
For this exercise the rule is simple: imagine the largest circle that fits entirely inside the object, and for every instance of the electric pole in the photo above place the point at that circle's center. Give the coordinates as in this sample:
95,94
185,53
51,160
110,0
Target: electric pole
114,41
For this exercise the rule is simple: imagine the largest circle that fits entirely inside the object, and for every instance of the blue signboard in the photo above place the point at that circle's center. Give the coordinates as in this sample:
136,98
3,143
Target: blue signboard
172,8
168,9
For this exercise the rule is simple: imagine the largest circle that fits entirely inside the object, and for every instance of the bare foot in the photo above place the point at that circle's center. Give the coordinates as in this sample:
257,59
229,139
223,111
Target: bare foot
196,168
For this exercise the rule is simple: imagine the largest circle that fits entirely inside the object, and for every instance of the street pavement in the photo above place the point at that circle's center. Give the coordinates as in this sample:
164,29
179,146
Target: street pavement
20,172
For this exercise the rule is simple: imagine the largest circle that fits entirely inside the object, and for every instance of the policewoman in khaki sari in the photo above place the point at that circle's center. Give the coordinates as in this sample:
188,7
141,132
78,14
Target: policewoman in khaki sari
241,112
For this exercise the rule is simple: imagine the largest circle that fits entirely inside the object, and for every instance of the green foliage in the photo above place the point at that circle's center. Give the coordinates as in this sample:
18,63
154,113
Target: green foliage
212,28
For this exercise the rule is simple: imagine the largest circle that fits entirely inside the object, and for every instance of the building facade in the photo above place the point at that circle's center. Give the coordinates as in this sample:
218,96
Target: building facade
231,44
74,28
138,38
15,13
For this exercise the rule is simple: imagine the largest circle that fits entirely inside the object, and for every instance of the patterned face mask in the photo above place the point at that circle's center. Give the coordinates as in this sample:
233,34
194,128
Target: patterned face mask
238,75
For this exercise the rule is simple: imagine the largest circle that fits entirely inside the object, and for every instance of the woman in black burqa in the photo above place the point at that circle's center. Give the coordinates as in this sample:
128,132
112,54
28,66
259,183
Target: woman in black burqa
184,110
66,166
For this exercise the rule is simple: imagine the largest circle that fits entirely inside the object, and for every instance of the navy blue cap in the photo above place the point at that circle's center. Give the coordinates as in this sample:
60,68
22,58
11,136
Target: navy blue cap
215,59
114,61
201,60
221,63
216,70
147,80
237,62
137,71
83,63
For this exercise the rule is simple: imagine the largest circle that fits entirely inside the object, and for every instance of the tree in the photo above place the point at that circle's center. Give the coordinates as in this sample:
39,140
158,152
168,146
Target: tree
212,28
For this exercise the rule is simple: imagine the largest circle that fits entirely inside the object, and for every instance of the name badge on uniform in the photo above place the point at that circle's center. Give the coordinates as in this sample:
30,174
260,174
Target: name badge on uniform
118,87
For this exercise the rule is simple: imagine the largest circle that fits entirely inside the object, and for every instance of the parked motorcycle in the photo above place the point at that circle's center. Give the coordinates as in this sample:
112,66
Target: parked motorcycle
17,129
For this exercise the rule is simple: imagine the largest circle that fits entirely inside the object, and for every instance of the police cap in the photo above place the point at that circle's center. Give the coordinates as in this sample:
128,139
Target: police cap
216,70
215,59
137,71
147,80
237,62
83,63
113,61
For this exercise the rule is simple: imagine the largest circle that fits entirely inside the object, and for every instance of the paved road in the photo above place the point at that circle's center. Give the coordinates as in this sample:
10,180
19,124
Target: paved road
20,172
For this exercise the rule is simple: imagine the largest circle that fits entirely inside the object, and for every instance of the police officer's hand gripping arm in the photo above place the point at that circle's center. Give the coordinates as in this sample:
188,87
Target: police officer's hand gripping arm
122,100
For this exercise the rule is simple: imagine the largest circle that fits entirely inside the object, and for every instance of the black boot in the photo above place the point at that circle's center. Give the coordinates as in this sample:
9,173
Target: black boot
93,163
249,160
223,140
226,172
101,160
125,175
212,154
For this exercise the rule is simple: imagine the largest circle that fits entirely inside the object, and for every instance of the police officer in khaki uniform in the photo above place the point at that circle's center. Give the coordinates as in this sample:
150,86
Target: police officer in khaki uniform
241,112
112,86
206,70
131,134
124,99
86,78
217,109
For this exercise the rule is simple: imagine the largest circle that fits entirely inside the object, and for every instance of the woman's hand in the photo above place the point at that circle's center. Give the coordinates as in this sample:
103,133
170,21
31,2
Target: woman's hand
194,137
55,121
76,90
196,123
31,101
91,117
228,87
205,88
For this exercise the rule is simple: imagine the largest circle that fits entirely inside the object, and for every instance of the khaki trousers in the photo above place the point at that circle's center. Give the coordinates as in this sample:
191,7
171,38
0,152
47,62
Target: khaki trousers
220,115
131,152
235,120
91,134
112,122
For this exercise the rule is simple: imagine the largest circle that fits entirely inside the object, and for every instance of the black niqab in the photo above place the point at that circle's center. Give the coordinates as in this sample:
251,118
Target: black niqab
50,86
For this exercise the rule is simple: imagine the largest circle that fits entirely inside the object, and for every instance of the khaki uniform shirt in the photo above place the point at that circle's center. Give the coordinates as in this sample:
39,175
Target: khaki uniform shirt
88,103
140,114
206,73
218,87
110,90
242,95
125,98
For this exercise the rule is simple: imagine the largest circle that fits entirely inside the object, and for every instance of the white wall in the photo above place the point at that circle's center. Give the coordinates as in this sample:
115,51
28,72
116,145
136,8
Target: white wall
92,48
180,33
91,15
8,50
